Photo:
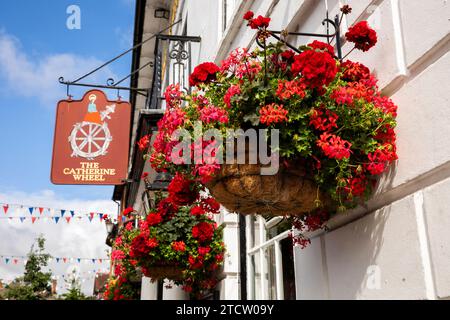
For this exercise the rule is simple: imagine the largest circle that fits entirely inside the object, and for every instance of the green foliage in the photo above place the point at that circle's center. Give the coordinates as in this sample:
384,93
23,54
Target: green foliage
35,284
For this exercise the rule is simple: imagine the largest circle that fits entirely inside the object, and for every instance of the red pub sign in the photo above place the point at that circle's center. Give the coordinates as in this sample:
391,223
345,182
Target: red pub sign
91,141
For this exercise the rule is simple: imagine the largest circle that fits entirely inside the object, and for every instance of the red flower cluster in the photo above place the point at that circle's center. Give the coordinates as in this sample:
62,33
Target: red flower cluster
356,186
166,208
321,122
213,114
287,89
179,246
334,146
203,231
197,211
203,73
259,22
153,219
231,92
317,68
354,71
210,204
322,46
144,142
180,192
141,246
117,255
172,95
127,211
380,158
362,36
272,113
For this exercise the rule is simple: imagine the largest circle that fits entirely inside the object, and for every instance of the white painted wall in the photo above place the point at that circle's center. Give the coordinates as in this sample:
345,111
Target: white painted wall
398,246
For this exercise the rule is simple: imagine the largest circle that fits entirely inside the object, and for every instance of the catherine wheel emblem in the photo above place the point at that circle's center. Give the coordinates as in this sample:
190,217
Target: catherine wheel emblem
90,140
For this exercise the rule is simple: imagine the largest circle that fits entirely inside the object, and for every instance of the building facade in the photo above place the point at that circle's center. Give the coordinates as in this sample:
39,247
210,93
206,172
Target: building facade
394,247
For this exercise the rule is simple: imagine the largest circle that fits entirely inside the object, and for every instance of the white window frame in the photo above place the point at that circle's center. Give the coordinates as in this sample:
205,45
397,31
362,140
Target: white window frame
261,248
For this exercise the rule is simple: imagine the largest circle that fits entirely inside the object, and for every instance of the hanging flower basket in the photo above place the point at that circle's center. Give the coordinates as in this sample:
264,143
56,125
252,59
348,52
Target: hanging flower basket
335,129
241,188
164,271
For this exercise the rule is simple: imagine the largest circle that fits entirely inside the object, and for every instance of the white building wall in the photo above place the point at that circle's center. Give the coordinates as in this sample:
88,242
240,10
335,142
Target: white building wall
398,245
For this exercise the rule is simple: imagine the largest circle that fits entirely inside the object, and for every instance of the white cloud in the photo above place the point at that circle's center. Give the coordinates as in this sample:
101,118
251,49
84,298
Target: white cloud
39,77
79,238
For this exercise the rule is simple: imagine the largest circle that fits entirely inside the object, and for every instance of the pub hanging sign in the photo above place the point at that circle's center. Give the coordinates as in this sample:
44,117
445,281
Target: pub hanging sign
91,141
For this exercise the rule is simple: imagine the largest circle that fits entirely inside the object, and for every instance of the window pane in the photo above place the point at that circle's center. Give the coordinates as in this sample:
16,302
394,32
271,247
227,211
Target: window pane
256,265
271,273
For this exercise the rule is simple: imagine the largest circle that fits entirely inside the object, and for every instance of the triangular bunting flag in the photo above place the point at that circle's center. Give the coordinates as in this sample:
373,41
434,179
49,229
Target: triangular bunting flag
79,260
57,260
68,219
15,261
62,213
72,213
40,210
65,260
100,216
56,219
93,260
22,219
91,216
31,210
6,260
100,260
33,219
5,208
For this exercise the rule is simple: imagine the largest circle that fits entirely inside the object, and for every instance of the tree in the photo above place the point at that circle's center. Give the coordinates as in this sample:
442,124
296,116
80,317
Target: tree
34,284
74,292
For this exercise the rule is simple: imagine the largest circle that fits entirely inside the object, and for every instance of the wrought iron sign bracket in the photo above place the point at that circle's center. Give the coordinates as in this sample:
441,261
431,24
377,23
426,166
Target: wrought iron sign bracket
110,83
281,35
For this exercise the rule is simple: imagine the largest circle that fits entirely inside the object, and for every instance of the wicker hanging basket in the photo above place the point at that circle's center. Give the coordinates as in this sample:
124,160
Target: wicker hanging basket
241,188
164,271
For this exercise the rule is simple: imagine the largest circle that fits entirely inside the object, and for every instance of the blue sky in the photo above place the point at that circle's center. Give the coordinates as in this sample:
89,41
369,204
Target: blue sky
41,45
36,48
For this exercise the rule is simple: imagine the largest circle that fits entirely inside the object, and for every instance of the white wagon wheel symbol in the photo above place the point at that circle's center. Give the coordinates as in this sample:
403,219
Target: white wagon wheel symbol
90,140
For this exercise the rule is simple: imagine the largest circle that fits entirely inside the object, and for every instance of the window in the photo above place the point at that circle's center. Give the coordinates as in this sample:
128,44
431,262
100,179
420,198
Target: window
226,10
270,263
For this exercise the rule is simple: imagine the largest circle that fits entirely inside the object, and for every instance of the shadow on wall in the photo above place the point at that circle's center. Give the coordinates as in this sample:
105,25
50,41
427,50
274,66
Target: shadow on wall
351,257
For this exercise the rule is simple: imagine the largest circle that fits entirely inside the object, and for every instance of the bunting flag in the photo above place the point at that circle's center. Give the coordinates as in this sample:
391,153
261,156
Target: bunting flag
21,219
33,219
65,260
79,260
56,219
6,260
15,261
93,260
57,260
68,219
7,207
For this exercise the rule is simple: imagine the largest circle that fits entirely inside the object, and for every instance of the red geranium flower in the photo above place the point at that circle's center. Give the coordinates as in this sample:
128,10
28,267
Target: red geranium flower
203,231
179,246
354,71
167,208
180,191
317,68
334,146
272,113
248,15
127,211
211,205
319,45
259,22
144,142
197,211
362,36
153,219
203,73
